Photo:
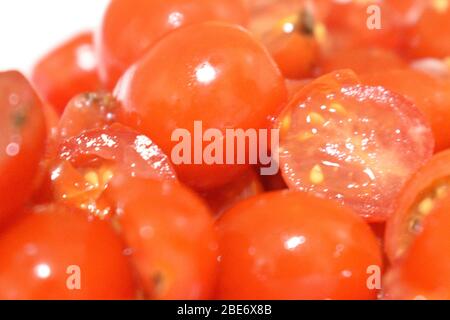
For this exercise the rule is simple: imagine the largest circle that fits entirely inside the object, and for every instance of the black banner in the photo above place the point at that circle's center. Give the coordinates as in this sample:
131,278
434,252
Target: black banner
180,310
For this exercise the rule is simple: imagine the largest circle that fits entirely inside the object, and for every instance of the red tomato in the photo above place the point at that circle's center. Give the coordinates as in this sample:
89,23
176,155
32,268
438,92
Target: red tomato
430,94
94,110
130,28
420,195
87,163
213,73
66,71
171,234
429,36
225,197
289,245
424,270
361,60
288,31
22,141
353,143
354,24
44,252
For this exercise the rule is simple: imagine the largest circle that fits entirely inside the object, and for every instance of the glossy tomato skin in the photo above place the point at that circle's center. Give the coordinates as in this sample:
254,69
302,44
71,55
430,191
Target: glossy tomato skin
430,94
87,111
41,250
423,190
130,28
287,29
341,140
223,78
22,141
289,245
67,71
424,271
171,234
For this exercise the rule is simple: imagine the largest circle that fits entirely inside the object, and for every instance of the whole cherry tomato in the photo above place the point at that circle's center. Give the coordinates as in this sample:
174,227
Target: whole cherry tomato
355,24
424,270
67,71
22,141
288,31
352,143
417,200
215,74
289,245
56,252
87,163
171,234
430,94
130,28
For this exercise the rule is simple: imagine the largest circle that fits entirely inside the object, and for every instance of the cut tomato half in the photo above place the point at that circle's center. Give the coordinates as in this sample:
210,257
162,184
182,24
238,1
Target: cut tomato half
422,193
353,143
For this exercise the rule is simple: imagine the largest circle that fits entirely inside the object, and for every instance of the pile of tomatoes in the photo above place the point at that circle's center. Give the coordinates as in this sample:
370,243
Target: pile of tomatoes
93,207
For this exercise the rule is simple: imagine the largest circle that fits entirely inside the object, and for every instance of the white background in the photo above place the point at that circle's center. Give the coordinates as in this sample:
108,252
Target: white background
29,28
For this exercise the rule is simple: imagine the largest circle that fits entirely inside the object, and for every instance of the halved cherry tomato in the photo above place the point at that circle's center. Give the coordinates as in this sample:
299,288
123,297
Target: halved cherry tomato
171,234
420,195
290,245
66,71
225,197
87,163
352,143
22,142
361,60
130,28
424,270
51,250
213,73
430,94
87,111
